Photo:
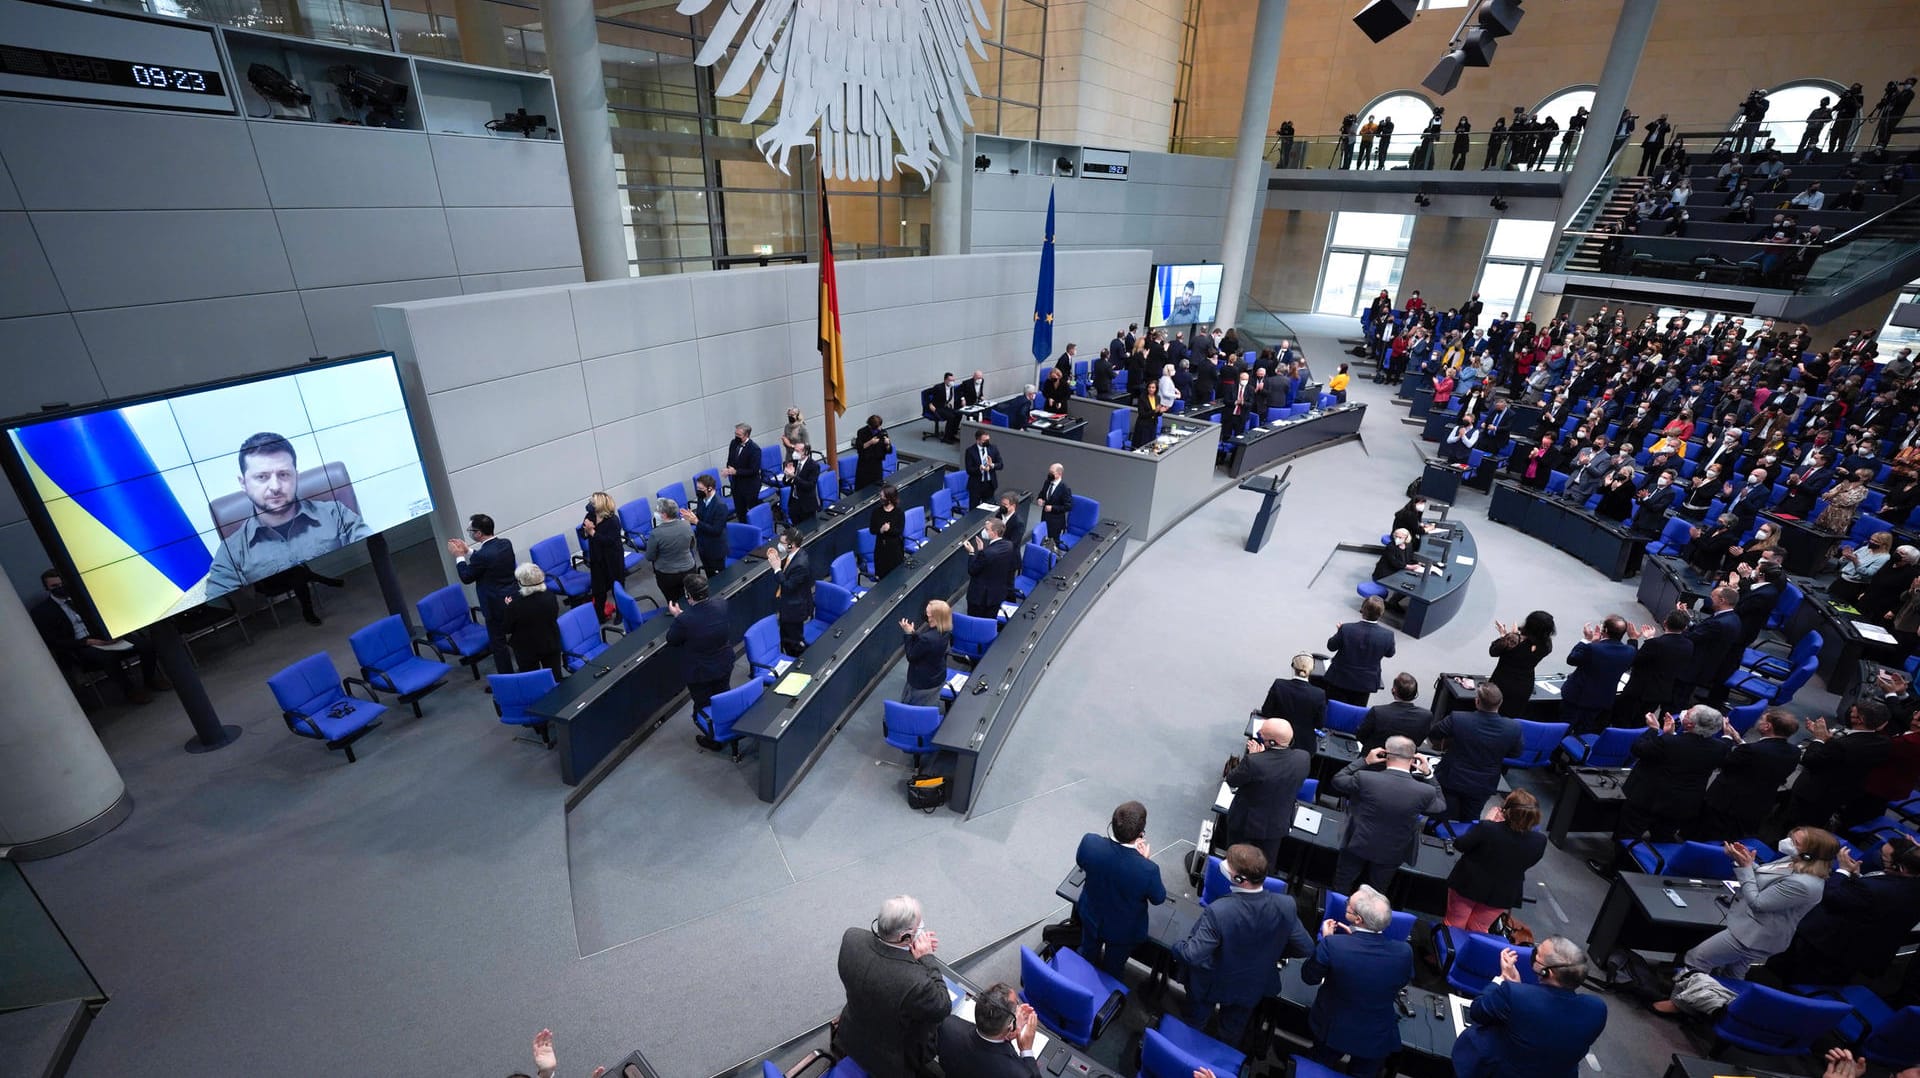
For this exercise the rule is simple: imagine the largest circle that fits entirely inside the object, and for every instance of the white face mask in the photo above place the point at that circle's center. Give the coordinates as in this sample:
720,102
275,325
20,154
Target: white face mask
1787,848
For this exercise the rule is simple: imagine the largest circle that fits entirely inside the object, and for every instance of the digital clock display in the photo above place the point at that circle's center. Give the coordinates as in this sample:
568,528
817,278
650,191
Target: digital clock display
73,67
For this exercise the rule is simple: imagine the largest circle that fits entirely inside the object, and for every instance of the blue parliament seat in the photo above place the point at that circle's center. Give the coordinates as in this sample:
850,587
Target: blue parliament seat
1537,742
1769,1022
845,572
515,694
763,647
972,636
864,543
1345,717
916,527
1673,538
761,517
1400,928
1743,718
1704,860
1070,996
675,490
715,722
1472,960
1214,882
910,728
1610,747
453,628
1775,666
1082,517
1887,1037
1783,608
315,703
940,509
1036,562
580,637
849,464
742,539
628,607
830,603
564,578
1775,692
390,664
1177,1050
1117,439
956,484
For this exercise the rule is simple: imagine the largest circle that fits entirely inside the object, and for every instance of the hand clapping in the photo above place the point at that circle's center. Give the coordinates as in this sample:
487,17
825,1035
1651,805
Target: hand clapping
1741,854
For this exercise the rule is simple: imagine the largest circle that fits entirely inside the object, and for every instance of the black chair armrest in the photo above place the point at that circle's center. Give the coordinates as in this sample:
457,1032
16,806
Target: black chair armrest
431,646
616,630
347,683
648,599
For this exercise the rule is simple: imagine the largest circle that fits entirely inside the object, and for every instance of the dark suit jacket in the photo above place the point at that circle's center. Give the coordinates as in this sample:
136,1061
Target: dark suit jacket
1833,772
1716,648
927,657
744,459
804,502
795,601
970,392
1054,506
704,636
1755,606
1750,777
1383,810
1528,1031
710,535
1233,953
894,1004
1102,376
1266,786
55,628
1398,717
1293,699
1359,974
1661,665
489,568
1120,884
1597,667
964,1053
1494,860
1019,410
1860,923
1670,772
981,485
990,573
1358,647
531,624
1479,742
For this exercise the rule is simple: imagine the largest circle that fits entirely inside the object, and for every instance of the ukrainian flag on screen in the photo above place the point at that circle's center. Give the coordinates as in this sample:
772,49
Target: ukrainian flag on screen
1165,288
114,511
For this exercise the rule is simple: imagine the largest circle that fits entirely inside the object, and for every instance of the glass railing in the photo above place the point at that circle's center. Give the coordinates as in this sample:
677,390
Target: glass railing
1714,140
1259,327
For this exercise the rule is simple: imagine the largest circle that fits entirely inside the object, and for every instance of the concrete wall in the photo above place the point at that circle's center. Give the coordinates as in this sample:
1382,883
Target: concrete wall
1444,260
1173,205
1111,70
146,250
1286,268
1701,57
536,398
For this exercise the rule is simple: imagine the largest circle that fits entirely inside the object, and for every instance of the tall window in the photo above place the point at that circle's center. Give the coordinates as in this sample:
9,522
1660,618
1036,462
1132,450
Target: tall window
1561,105
1892,337
1787,108
1511,269
1410,113
1009,101
1366,253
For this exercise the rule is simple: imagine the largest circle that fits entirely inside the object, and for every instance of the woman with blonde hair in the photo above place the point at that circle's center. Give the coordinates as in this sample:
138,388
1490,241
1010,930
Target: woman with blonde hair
1768,906
606,551
927,654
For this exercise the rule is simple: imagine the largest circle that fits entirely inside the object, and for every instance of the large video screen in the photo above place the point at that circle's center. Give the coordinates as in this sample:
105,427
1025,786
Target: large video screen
1183,295
159,505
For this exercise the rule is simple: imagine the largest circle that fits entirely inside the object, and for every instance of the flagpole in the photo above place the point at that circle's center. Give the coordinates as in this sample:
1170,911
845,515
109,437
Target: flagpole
826,372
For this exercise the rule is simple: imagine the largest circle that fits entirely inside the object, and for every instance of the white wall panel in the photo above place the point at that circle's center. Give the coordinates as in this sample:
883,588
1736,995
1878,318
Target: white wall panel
334,247
144,349
327,165
634,383
342,318
467,341
731,360
500,172
519,487
118,259
66,157
49,347
494,240
546,405
475,284
610,316
643,444
741,299
29,287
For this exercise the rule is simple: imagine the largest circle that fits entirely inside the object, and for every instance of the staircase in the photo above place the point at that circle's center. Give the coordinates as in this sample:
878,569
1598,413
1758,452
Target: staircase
1607,205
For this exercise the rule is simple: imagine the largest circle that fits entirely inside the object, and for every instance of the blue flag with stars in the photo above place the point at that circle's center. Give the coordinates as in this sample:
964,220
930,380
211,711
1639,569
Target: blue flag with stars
1043,295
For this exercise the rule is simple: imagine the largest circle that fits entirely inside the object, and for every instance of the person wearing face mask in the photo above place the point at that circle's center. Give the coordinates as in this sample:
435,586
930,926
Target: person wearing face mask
74,645
1861,922
1750,498
998,1043
1360,973
1767,908
983,469
795,431
793,600
488,565
803,471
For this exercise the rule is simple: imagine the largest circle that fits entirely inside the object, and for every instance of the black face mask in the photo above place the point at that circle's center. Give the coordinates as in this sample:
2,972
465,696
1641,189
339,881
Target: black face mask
59,592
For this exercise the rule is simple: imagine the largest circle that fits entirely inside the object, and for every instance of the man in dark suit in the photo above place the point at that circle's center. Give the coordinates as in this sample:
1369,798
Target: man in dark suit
1266,786
1103,375
1387,792
1716,648
1672,762
1238,396
1806,483
1232,955
73,643
743,470
983,469
974,390
1885,588
1861,922
488,565
1539,1030
1358,646
1476,744
1750,498
1834,765
1586,699
1121,882
1295,699
709,526
945,401
1013,524
992,563
1360,973
793,601
998,1043
1056,498
1659,673
1020,409
896,997
1759,593
701,631
1402,716
1748,783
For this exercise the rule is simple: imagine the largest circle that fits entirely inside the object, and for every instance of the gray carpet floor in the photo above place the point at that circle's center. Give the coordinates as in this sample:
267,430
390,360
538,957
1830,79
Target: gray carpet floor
270,909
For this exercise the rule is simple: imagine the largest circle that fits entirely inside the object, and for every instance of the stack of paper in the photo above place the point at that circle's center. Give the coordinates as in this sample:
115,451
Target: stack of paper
793,684
957,682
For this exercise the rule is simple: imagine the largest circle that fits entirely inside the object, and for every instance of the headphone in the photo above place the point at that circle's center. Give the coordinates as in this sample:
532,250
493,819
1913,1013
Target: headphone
906,937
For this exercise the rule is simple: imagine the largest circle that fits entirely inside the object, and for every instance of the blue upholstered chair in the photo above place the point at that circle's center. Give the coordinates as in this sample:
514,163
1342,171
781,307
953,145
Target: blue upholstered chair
763,647
676,491
315,703
1400,928
761,517
956,485
452,627
389,663
1071,997
916,527
1673,538
1370,589
910,728
628,607
1701,860
940,509
1774,666
514,694
972,636
1177,1050
563,577
1476,960
1082,517
1608,748
1769,1022
581,640
845,572
830,601
1036,562
1214,882
715,722
864,543
1537,742
1743,718
1344,717
741,540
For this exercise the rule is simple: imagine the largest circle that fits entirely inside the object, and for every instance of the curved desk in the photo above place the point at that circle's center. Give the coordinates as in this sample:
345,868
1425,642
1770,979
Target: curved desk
631,687
1594,540
1257,448
1435,596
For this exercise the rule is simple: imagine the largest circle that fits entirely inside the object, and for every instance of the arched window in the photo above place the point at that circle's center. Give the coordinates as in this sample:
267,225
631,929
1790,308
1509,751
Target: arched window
1410,113
1561,104
1787,107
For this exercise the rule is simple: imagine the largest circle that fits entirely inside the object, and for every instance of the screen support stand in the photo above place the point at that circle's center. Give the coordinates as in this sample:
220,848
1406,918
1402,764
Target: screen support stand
171,649
388,580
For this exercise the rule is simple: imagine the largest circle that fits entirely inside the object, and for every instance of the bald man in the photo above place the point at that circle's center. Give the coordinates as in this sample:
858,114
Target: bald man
1266,783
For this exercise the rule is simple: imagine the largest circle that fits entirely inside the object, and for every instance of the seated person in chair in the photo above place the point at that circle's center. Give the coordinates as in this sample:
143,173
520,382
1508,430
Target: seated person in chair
74,645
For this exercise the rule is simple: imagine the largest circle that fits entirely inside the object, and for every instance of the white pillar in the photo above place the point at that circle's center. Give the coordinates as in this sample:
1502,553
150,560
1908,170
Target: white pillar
58,788
1249,167
949,210
1616,79
580,91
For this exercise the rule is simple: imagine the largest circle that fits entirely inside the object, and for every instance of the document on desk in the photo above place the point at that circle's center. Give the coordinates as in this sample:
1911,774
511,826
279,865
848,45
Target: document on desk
1459,1005
1462,559
1223,800
964,1009
793,684
1307,819
1547,687
957,682
1873,632
782,667
1008,610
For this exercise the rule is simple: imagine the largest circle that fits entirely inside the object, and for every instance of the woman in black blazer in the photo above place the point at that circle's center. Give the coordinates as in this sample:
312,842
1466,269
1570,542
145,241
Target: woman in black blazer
927,655
871,446
606,551
1412,519
1518,650
531,623
1495,854
888,523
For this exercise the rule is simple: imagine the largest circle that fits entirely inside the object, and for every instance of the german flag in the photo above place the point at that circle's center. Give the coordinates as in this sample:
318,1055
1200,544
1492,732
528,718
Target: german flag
833,368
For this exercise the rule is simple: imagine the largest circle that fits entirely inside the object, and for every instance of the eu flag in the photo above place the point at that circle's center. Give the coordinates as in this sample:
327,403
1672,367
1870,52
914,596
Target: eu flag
1043,295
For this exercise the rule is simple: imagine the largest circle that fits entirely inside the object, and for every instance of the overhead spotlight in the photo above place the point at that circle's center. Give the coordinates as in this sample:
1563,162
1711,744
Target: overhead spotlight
1381,18
1500,17
1446,73
1498,203
1476,49
980,162
1063,166
1422,200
